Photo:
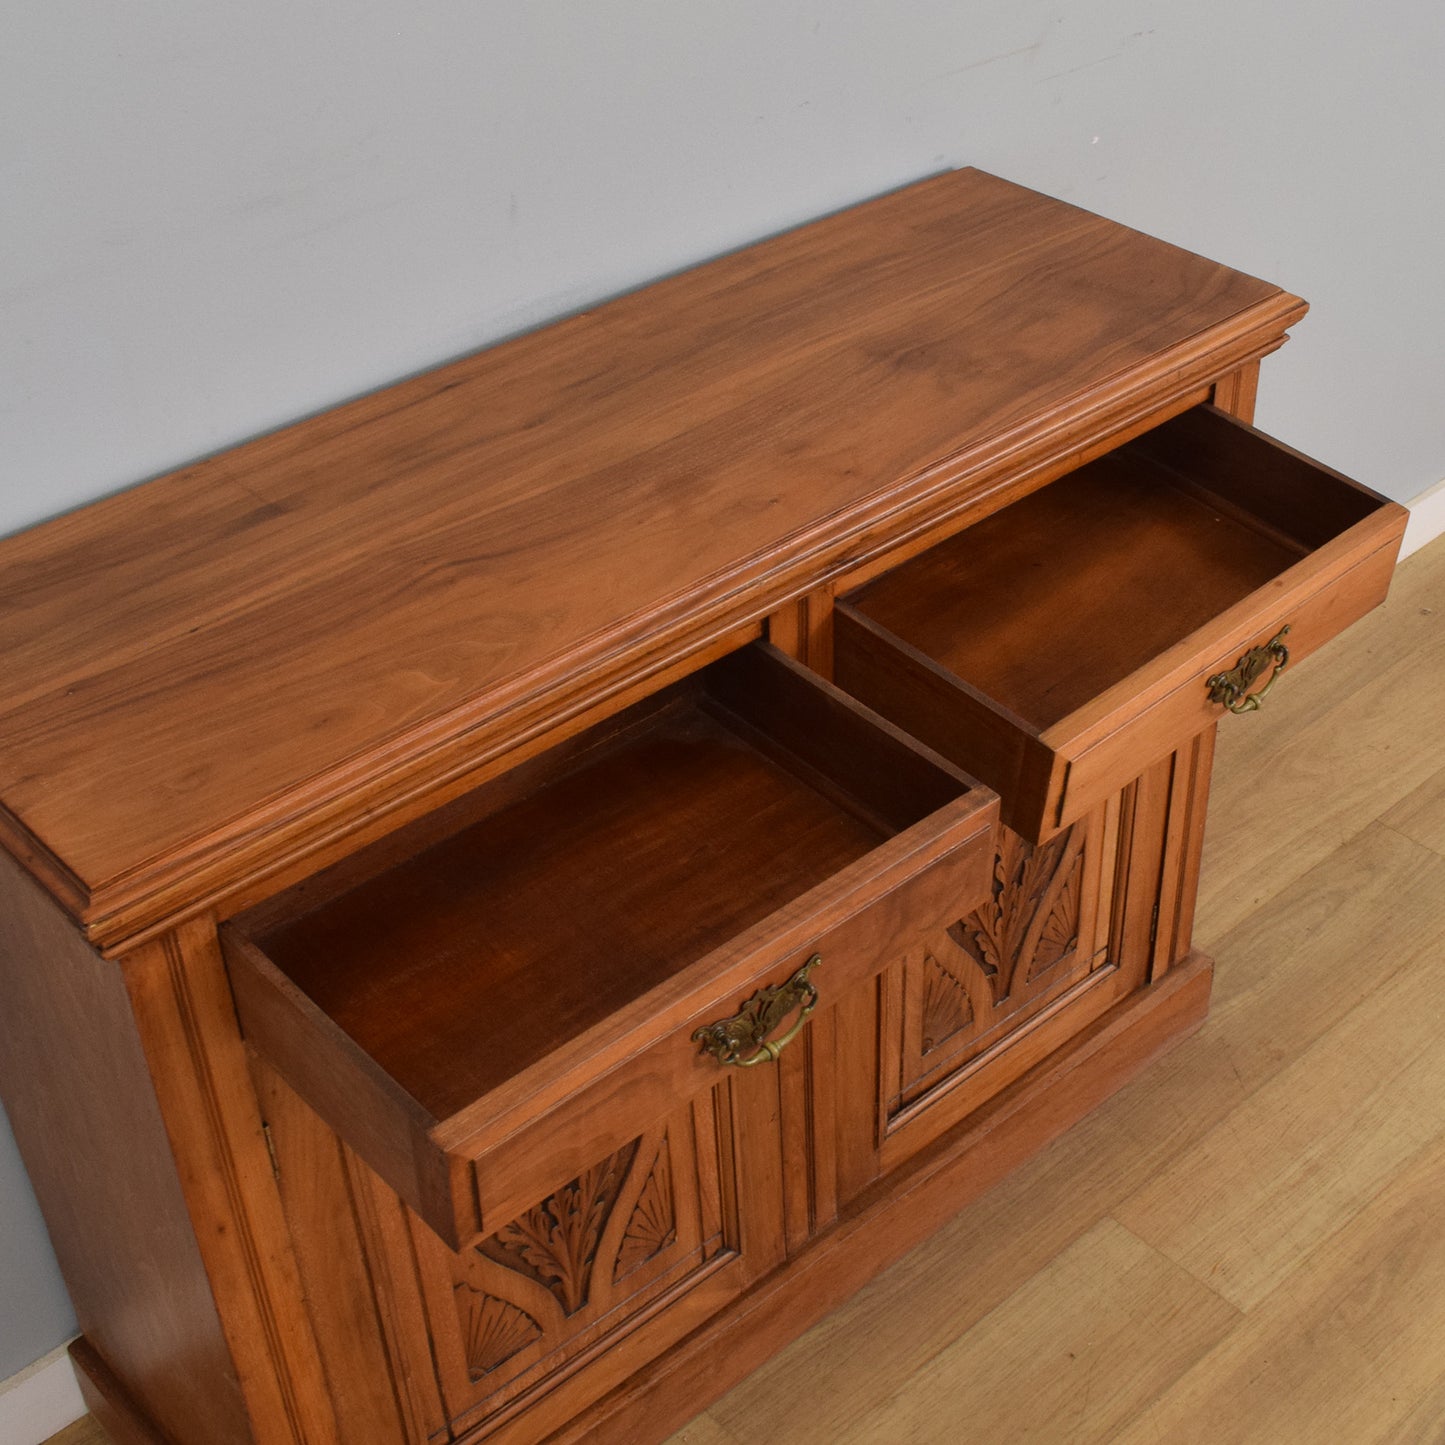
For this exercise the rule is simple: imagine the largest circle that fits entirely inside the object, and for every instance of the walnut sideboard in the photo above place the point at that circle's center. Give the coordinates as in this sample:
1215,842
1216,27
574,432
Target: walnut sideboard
523,891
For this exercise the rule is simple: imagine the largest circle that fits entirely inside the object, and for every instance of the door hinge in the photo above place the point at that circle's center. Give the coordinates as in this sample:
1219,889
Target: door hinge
271,1149
1154,926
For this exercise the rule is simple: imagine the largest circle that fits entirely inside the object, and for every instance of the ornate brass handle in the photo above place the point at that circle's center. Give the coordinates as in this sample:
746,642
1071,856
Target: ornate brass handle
1232,688
743,1039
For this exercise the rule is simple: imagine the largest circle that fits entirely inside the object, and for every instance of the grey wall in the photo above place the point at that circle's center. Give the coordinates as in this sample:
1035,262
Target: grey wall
220,217
35,1314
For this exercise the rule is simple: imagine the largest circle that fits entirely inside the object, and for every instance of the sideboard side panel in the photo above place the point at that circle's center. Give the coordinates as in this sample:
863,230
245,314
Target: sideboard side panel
186,1021
80,1097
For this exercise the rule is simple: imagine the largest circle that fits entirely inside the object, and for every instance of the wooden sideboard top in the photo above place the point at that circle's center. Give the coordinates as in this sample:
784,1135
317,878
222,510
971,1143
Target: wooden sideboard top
215,674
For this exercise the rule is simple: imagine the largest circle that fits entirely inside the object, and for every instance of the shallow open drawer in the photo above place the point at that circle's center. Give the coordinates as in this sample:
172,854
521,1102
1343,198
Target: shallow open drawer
484,1017
1060,646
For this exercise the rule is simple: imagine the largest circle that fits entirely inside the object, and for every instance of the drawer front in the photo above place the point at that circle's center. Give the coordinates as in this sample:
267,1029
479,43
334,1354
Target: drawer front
1071,639
475,1049
1302,617
597,1117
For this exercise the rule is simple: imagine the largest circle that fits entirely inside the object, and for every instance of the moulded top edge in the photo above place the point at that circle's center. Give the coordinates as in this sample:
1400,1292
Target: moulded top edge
196,667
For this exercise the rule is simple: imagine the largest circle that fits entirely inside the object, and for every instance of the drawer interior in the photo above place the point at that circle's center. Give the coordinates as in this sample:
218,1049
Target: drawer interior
596,873
1060,645
1064,594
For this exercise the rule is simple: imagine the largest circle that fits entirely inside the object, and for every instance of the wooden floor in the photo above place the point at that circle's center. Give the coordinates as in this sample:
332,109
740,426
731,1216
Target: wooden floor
83,1432
1248,1243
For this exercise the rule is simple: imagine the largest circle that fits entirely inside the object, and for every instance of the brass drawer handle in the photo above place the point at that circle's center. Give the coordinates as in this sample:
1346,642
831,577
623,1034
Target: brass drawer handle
1232,688
727,1040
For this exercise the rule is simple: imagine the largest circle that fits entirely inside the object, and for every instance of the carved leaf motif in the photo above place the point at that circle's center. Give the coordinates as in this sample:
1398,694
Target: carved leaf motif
653,1225
997,935
946,1006
555,1243
493,1330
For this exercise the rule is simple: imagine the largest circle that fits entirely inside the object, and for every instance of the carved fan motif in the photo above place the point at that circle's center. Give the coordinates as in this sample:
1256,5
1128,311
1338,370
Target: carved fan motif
1032,918
997,967
946,1006
493,1330
555,1243
627,1240
653,1225
1059,935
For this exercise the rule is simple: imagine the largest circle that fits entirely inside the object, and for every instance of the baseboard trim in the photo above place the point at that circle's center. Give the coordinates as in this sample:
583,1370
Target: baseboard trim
40,1401
1427,519
107,1400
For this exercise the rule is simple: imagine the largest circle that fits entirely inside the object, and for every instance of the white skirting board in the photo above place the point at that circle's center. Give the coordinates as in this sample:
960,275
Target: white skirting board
40,1401
1427,519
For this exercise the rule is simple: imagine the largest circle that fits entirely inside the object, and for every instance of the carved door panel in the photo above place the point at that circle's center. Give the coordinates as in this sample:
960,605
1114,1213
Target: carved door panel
988,972
986,996
606,1271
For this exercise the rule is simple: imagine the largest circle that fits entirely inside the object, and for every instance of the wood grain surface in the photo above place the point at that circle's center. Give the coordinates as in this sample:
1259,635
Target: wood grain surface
80,1094
257,691
1334,1332
1061,643
392,589
1241,1247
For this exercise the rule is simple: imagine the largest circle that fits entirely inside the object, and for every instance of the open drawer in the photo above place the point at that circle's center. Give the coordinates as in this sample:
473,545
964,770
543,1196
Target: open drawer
1060,646
484,1015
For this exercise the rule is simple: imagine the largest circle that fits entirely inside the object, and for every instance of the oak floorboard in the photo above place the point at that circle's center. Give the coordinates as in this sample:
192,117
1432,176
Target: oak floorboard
1425,1424
1307,1151
1106,1298
1346,1349
1292,970
85,1431
1420,816
703,1431
1343,737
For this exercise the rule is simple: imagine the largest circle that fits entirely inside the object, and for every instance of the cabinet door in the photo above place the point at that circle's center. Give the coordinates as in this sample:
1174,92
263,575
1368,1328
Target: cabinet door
1072,927
509,1338
594,1279
975,1006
